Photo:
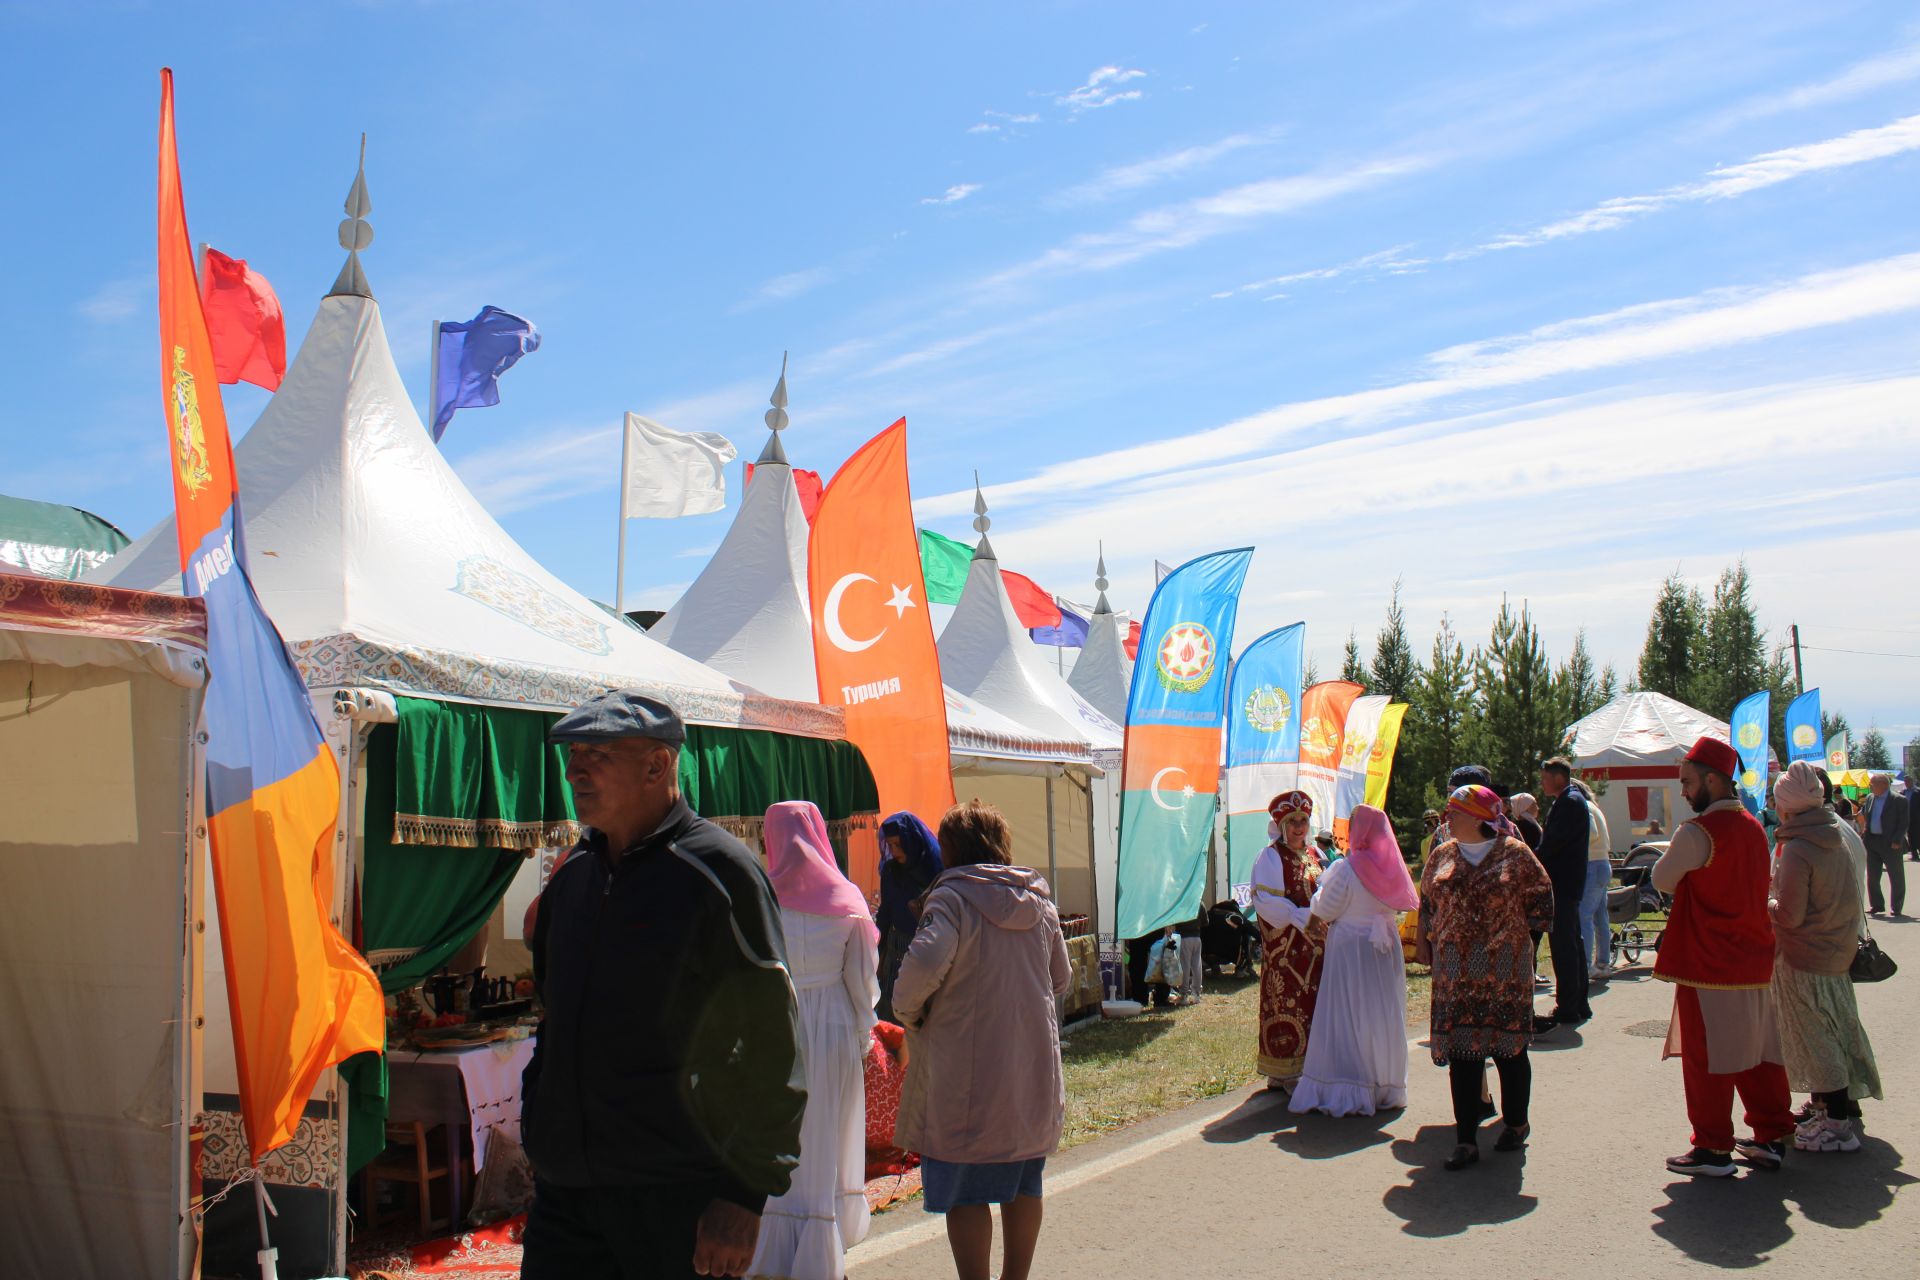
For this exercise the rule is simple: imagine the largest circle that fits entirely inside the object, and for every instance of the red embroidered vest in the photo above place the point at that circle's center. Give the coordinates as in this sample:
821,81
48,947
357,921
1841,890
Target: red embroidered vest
1718,935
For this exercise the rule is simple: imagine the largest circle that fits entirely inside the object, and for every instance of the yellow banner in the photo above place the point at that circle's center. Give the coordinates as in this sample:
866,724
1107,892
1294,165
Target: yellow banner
1380,759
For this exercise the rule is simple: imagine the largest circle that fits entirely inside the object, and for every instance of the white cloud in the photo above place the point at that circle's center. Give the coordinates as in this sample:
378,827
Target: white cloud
1102,89
1145,173
1715,319
118,300
1728,182
952,195
1879,72
983,127
785,288
1177,226
1392,261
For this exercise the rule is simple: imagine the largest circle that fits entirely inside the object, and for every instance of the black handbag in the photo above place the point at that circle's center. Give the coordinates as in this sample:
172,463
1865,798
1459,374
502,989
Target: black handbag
1870,963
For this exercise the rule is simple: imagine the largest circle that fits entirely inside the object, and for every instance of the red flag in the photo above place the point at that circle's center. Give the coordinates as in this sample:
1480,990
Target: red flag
807,485
1133,641
873,644
1033,605
243,318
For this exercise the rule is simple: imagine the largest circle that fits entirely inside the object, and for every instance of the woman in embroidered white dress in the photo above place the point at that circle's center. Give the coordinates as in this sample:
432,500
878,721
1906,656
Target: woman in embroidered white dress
1357,1052
833,954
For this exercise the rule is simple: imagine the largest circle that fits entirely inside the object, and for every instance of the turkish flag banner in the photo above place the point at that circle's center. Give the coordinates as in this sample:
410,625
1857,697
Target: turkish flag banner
873,642
243,319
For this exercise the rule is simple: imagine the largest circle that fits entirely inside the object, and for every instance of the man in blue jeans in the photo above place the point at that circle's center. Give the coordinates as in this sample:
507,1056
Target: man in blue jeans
1596,930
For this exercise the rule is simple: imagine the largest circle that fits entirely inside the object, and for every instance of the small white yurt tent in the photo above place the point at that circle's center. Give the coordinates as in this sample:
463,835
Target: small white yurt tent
1634,744
1103,675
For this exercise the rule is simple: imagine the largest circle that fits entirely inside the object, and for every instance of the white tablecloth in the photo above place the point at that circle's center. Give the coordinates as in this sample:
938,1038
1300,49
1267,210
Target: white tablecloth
491,1073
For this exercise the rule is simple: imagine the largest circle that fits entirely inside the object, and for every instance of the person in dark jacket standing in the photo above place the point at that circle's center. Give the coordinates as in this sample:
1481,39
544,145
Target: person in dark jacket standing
663,1104
1563,852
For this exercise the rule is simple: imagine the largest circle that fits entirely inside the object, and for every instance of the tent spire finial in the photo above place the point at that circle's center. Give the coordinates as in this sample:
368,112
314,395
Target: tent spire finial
981,522
1100,582
776,419
355,234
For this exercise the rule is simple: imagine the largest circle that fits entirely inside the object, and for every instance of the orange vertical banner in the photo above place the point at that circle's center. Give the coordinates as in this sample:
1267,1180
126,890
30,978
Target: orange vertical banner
873,642
1323,722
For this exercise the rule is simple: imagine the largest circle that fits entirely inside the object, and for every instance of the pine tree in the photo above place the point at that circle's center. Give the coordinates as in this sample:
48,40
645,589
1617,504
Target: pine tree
1577,684
1350,667
1781,689
1433,736
1311,676
1832,722
1731,659
1871,751
1673,636
1609,684
1517,725
1394,667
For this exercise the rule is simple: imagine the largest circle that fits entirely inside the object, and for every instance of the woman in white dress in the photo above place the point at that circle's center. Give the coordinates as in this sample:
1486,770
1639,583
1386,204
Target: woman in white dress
1357,1052
833,955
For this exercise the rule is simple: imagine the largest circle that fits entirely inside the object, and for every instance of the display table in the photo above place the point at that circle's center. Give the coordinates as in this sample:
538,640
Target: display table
1083,958
476,1091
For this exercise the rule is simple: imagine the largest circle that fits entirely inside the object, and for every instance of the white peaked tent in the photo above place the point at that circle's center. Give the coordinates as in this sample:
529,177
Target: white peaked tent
986,654
1104,677
1635,744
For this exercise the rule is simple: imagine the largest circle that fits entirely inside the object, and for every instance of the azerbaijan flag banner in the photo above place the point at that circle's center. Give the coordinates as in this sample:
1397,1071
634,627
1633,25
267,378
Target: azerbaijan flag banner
1263,745
1171,771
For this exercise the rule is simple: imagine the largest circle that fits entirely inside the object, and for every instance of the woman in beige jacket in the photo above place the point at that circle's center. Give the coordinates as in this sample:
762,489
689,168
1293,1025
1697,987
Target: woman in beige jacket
984,1100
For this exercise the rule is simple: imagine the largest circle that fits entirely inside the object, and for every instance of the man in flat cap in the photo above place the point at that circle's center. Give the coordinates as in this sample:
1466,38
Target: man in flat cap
662,1106
1718,952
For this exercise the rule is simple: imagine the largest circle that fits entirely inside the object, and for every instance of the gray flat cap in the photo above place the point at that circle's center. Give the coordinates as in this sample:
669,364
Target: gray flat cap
620,713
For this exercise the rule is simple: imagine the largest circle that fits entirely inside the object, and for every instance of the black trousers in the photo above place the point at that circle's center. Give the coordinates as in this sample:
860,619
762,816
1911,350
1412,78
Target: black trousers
1569,955
1516,1092
612,1233
1881,858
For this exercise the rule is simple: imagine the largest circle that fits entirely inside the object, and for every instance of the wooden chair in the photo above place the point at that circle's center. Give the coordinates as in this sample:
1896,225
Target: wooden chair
407,1159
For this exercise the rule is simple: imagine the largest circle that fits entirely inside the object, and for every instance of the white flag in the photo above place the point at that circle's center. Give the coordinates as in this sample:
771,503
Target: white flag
673,473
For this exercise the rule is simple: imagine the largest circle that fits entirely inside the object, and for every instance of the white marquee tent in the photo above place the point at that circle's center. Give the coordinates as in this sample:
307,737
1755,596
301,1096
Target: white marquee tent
1635,744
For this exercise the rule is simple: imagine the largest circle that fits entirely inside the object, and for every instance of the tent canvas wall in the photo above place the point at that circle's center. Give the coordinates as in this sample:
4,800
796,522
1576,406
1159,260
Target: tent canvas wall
1634,745
99,697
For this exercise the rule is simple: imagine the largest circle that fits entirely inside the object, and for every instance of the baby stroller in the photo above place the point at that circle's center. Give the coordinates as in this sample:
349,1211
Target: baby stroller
1229,938
1623,914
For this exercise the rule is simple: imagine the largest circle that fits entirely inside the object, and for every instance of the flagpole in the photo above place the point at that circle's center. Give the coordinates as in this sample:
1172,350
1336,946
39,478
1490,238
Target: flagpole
433,383
620,569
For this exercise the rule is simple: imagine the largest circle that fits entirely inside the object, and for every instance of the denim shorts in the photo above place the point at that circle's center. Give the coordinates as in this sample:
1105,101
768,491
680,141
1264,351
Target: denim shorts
951,1186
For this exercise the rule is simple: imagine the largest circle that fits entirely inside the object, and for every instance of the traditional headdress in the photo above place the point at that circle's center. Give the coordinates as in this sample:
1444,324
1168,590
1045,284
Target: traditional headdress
1711,753
1374,855
1289,802
806,878
1480,802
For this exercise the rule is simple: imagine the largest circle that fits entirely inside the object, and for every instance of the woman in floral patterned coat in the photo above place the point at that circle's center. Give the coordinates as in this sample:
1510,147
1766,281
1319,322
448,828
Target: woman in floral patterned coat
1284,876
1483,894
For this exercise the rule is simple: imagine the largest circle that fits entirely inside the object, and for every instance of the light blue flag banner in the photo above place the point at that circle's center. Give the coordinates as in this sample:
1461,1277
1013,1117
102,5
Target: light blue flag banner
469,358
1171,771
1804,740
1748,729
1263,744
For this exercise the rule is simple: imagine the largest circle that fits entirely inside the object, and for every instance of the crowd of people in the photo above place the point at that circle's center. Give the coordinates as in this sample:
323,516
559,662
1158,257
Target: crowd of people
718,1125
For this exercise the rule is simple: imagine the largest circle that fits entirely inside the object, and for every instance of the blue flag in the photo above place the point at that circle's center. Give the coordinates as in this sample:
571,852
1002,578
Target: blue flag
1070,634
1263,743
1748,729
1803,729
471,357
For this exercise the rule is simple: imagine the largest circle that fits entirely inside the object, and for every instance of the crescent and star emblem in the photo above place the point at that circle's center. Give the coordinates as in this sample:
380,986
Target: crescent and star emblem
901,601
1153,788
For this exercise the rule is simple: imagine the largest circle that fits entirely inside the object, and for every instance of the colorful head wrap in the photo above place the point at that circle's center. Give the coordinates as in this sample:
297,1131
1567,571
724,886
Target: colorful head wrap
1480,802
1289,802
806,877
1374,855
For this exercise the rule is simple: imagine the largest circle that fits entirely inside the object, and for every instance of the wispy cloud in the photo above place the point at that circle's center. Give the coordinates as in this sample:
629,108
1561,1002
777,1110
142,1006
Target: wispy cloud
1122,179
1103,88
117,300
785,288
1392,261
1713,320
1177,226
983,127
1880,72
1003,122
952,195
1728,182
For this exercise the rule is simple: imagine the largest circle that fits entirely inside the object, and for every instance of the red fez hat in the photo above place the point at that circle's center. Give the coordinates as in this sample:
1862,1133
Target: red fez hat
1711,753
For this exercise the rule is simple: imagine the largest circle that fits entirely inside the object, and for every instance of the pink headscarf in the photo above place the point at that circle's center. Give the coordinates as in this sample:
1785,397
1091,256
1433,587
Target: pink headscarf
806,878
1375,857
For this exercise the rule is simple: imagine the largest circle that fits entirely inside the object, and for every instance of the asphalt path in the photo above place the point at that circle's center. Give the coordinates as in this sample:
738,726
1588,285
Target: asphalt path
1240,1187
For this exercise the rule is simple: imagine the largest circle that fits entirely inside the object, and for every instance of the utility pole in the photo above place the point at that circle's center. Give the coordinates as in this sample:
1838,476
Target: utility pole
1799,681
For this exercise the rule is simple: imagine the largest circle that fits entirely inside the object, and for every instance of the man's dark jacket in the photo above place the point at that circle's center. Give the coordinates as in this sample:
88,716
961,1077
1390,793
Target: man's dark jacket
669,1048
1563,843
1893,821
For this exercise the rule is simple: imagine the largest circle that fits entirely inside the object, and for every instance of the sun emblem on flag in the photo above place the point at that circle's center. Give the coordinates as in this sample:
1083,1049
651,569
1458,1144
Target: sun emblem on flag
1268,708
1749,779
189,436
1186,657
1804,735
1750,735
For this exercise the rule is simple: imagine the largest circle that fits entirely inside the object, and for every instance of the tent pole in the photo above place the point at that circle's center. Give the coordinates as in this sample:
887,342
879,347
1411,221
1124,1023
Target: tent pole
620,559
1053,869
433,384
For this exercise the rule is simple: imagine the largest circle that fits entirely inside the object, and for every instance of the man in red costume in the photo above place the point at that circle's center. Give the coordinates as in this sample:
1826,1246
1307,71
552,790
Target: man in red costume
1718,953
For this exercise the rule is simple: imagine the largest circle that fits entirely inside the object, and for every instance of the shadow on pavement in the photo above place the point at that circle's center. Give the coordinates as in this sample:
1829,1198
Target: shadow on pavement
1264,1111
1437,1203
1323,1137
1561,1037
1847,1189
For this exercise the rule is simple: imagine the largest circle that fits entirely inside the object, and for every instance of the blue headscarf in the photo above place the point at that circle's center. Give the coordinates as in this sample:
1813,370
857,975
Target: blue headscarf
902,882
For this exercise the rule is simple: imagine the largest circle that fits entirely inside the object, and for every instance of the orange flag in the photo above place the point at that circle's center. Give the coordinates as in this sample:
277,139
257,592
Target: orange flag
872,639
1323,723
300,997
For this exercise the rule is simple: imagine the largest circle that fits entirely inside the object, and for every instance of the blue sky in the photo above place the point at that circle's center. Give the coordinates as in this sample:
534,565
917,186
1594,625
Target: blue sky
1540,298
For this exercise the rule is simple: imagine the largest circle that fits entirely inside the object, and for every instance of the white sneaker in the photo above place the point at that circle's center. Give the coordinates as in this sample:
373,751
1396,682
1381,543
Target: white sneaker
1826,1134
